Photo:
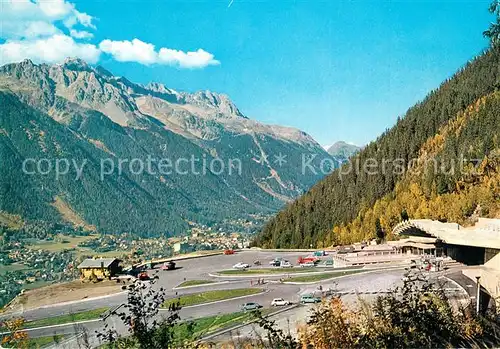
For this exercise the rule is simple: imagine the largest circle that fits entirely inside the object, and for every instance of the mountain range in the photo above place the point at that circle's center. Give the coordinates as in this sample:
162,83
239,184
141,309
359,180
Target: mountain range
144,159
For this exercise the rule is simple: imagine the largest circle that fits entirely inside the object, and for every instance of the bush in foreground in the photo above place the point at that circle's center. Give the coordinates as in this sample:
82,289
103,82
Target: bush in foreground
416,315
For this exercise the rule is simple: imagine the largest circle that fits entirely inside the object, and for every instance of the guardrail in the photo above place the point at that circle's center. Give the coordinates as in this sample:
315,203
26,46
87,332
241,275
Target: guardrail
177,258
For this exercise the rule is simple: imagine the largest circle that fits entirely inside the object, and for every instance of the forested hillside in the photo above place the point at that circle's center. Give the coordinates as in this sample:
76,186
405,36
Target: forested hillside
457,122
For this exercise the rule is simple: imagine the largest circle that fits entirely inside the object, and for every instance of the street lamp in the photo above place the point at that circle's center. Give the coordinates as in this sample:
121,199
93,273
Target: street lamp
478,293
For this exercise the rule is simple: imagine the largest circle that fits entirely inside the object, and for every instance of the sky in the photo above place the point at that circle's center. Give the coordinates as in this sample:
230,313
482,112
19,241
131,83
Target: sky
339,70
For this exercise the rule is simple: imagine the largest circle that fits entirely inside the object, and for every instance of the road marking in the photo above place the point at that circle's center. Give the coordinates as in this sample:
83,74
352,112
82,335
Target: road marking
205,285
333,270
363,272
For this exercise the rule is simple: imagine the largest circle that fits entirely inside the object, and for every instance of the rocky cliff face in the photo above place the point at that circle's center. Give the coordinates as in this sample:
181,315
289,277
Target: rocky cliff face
73,111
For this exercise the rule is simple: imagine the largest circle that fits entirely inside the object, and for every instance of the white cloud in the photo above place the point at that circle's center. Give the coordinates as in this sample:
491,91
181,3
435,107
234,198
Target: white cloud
55,8
28,30
79,17
130,51
80,34
51,30
32,29
40,28
84,19
145,53
25,19
51,50
197,59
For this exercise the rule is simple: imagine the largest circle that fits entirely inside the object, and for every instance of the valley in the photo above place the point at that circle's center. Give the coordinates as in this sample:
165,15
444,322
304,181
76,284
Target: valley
162,157
249,175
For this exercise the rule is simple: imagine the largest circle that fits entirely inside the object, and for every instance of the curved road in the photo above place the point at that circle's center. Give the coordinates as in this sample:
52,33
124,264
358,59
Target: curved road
200,268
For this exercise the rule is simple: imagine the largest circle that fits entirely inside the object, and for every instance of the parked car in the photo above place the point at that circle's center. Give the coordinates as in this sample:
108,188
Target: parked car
229,252
251,306
240,265
286,264
144,276
308,259
276,262
309,298
170,265
326,264
307,264
320,253
279,302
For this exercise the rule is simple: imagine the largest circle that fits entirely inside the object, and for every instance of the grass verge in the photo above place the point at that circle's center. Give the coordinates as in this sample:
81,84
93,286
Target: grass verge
66,319
43,341
204,326
12,268
323,276
64,242
195,283
211,296
198,328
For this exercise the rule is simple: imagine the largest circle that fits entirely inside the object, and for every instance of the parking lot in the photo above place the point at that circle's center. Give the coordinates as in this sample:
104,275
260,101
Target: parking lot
366,284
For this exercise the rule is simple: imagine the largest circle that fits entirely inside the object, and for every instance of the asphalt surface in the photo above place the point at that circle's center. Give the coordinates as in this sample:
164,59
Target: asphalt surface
350,287
190,269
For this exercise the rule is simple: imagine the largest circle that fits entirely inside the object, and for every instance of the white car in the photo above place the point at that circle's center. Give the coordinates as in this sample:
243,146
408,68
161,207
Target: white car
286,264
307,265
241,265
279,302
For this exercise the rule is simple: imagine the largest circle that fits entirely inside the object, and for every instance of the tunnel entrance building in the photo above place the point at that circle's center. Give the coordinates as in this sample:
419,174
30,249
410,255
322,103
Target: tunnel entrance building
477,247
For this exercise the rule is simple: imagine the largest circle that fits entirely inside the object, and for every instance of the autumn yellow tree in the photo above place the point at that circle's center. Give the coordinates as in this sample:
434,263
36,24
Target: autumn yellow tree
16,337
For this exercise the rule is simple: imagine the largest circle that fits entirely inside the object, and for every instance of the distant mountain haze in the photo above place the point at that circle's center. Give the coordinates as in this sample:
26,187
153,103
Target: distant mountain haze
343,150
110,134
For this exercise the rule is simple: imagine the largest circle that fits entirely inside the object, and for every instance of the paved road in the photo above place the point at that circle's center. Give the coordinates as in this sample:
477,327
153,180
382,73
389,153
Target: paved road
200,268
366,286
350,289
190,269
378,279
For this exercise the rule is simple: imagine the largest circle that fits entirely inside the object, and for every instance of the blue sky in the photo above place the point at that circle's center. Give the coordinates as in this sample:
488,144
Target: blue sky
339,70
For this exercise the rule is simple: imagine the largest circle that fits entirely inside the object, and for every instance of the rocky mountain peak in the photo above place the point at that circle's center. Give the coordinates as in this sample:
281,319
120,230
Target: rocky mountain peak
343,150
76,64
26,62
102,71
215,101
160,88
23,69
204,114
